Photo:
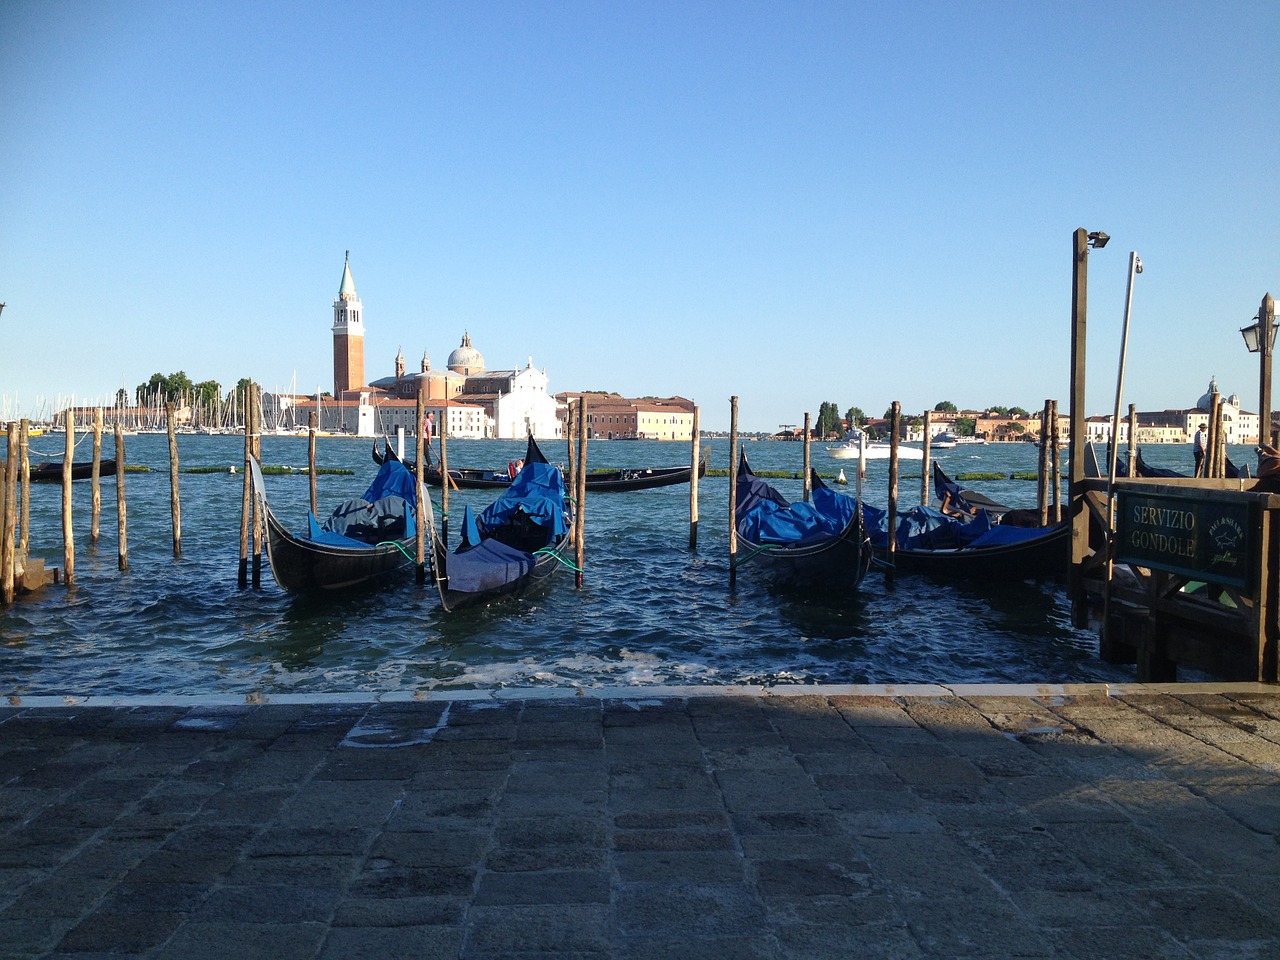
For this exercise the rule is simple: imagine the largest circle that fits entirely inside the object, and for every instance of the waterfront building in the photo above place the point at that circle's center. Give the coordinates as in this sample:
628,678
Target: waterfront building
1238,426
613,417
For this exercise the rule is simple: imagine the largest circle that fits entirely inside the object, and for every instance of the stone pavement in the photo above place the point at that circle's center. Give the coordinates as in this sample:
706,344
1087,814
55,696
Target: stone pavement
1086,822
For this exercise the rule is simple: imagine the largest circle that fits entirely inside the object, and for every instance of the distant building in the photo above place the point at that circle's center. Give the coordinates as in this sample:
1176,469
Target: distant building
348,336
613,417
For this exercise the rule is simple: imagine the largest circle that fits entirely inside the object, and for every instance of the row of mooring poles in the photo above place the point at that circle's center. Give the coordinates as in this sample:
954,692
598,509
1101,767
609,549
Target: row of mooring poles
15,501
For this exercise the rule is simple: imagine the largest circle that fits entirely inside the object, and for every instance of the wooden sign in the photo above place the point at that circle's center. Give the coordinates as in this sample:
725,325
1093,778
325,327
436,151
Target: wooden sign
1213,540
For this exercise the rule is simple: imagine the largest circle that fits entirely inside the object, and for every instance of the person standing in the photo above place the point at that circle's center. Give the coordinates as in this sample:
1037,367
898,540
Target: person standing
1198,447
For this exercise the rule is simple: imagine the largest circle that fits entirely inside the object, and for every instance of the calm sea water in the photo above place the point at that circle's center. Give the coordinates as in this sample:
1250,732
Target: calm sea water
651,610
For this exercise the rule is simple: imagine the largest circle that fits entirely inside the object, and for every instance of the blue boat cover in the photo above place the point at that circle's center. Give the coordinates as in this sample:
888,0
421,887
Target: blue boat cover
470,529
765,516
487,566
925,528
385,512
538,490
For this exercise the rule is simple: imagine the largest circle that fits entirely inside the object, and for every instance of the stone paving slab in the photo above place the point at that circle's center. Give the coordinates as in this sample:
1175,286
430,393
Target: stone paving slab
911,822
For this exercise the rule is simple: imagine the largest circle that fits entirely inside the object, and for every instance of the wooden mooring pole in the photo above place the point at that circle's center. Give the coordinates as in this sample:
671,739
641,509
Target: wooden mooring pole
9,509
312,422
259,521
925,461
444,473
68,536
808,483
246,504
24,491
580,514
95,481
1042,485
1055,465
695,462
895,420
419,490
121,523
733,491
175,502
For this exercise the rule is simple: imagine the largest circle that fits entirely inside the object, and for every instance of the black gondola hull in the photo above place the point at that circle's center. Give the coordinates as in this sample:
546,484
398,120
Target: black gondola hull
1042,558
301,566
80,470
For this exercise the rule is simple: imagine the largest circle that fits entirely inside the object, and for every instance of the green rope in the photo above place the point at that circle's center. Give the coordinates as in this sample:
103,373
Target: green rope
551,552
763,548
399,546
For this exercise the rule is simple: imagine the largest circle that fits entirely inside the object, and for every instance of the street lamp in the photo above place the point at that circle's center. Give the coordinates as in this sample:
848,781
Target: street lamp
1260,338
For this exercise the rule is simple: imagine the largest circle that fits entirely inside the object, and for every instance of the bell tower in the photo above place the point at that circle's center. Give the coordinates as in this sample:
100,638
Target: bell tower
348,336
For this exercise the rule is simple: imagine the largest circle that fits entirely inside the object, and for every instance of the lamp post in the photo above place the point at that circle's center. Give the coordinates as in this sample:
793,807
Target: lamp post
1264,346
1082,241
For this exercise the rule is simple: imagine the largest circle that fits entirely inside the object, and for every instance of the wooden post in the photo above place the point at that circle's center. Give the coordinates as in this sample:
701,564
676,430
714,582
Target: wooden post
24,491
1055,466
95,483
733,491
571,435
420,454
246,505
312,422
444,470
580,514
1133,440
10,518
68,537
808,485
1042,485
1078,510
895,420
259,521
175,502
695,461
925,462
121,523
1219,440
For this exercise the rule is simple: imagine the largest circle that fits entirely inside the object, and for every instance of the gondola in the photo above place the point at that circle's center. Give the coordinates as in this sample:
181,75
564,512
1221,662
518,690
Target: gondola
822,544
1145,471
611,481
51,472
967,541
515,547
362,540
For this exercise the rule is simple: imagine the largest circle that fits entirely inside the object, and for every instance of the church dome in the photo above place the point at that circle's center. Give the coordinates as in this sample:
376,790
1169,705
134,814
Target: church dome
466,359
1205,403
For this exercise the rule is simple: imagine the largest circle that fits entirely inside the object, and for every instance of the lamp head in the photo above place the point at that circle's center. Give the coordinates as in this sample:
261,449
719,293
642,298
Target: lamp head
1098,239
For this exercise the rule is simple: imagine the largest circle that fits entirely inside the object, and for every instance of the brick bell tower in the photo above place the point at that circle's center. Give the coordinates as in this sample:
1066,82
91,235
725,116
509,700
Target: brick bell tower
348,336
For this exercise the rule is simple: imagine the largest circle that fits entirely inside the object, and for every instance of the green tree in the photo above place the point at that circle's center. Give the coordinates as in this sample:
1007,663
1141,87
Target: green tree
828,419
965,426
999,411
1016,428
1018,412
946,406
855,416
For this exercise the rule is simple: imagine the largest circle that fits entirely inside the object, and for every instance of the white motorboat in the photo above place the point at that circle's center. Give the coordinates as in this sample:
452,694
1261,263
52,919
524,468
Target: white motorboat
852,450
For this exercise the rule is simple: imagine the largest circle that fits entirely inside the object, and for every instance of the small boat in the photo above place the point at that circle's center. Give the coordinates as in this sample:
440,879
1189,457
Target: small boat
361,541
954,500
516,545
852,450
944,441
822,544
610,481
51,472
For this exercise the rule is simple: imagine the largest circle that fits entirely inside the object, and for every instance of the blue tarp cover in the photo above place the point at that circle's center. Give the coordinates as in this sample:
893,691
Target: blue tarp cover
487,566
385,512
538,489
764,516
924,528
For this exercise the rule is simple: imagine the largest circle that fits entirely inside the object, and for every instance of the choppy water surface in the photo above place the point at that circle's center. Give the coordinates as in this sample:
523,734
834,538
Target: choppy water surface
651,612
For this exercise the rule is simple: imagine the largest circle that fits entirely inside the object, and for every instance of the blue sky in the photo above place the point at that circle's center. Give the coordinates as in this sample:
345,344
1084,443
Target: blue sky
793,203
